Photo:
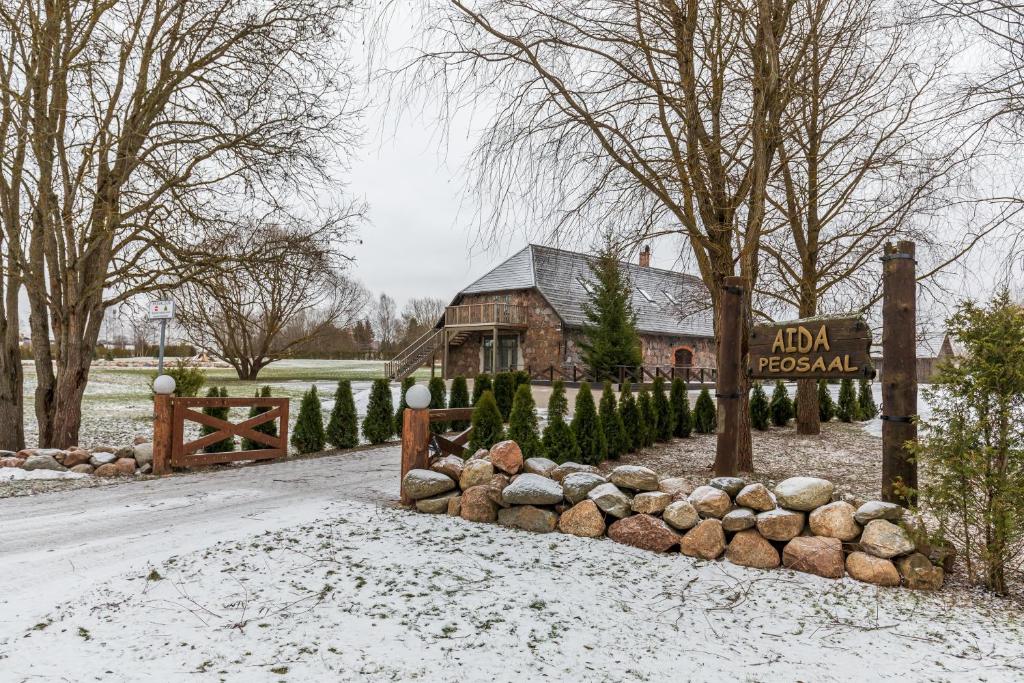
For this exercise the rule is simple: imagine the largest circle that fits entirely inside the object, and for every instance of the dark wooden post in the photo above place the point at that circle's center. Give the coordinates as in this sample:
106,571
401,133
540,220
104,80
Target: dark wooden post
899,372
415,443
162,414
728,389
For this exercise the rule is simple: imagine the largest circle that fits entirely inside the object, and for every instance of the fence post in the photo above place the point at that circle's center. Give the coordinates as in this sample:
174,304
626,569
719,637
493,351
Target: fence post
162,414
899,372
415,443
728,387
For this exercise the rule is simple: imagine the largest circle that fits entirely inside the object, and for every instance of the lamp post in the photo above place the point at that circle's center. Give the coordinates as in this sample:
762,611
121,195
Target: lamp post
163,388
415,432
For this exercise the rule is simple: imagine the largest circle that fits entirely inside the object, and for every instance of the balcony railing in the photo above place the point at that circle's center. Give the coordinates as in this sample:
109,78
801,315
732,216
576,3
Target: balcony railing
467,315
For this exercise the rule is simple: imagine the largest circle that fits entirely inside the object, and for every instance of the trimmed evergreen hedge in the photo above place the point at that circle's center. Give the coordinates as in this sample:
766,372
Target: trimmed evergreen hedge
504,393
826,406
407,384
847,409
343,426
269,428
481,384
438,399
760,409
679,402
586,426
648,420
631,420
224,445
308,435
459,398
559,441
705,419
379,425
611,422
488,426
782,408
663,422
522,423
867,409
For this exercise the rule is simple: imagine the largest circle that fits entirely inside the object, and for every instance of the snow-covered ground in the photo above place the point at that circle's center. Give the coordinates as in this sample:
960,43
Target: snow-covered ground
302,571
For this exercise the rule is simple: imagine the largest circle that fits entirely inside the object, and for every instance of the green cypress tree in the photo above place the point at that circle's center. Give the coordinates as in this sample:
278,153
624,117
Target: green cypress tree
379,424
308,435
488,427
586,426
343,426
682,423
847,410
521,377
867,409
664,424
648,419
224,445
459,398
826,406
631,420
611,339
481,384
705,419
522,423
559,441
504,393
760,409
782,407
438,399
611,421
269,428
407,384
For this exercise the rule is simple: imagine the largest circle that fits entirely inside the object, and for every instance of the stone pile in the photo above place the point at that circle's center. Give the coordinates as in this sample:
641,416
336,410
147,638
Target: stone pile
801,523
102,461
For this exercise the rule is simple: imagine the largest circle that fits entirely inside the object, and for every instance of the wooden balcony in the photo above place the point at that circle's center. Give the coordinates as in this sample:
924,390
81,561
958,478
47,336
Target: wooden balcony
486,315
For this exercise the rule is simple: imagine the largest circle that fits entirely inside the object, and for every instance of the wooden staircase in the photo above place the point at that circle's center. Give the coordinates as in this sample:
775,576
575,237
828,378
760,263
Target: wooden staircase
415,355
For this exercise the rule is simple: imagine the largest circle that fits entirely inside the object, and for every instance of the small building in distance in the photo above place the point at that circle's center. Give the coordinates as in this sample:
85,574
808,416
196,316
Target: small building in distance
932,351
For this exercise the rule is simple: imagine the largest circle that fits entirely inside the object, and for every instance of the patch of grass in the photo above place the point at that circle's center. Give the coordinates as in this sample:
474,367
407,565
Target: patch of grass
153,575
84,634
280,670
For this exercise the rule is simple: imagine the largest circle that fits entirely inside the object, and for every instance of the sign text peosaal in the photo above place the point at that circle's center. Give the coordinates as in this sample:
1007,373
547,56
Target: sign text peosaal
812,348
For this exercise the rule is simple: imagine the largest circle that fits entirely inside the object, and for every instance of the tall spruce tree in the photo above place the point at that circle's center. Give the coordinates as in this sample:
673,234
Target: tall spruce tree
826,406
522,423
438,400
648,419
682,423
586,426
663,418
847,409
407,384
488,426
867,409
308,435
760,408
611,421
481,384
631,420
343,426
782,407
459,398
504,393
705,418
610,332
559,441
379,423
269,427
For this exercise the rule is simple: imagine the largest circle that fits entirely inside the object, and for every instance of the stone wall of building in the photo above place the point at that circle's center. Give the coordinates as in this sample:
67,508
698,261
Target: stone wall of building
657,349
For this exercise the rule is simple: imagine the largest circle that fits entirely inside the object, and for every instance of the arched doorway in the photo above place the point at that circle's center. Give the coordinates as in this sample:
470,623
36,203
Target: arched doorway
683,357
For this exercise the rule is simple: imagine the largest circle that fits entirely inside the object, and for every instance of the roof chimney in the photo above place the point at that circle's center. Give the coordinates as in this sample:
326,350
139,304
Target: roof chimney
645,257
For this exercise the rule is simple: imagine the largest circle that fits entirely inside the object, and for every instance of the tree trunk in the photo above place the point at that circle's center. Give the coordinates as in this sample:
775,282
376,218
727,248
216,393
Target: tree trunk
807,419
12,381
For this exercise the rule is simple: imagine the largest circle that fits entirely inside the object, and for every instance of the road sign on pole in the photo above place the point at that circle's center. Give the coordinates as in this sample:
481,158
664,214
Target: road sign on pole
162,311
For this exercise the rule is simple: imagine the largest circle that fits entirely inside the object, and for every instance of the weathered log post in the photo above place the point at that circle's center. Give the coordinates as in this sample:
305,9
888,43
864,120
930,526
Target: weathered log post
728,386
162,413
899,372
415,433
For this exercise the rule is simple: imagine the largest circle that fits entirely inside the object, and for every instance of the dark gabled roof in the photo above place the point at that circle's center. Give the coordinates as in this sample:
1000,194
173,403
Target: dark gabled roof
681,304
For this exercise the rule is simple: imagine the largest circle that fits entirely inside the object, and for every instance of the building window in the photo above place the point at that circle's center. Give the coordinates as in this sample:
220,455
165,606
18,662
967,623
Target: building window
647,296
671,298
586,285
508,353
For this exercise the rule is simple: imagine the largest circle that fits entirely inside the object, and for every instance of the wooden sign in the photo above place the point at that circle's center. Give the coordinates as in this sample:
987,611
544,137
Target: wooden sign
811,348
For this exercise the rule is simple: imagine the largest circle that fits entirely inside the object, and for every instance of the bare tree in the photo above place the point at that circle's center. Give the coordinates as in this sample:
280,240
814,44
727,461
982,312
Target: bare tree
387,326
419,315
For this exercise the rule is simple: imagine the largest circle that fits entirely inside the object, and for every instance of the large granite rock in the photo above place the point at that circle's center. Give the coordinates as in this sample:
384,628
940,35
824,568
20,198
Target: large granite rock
871,569
815,555
477,506
739,519
834,520
611,499
507,457
475,473
756,497
143,453
450,465
919,573
42,461
532,489
419,484
528,518
706,540
644,531
884,539
651,502
681,515
634,477
496,486
102,458
709,501
437,505
577,485
455,506
84,468
541,466
78,457
125,466
779,524
567,468
677,487
750,549
804,493
583,519
731,485
11,461
876,509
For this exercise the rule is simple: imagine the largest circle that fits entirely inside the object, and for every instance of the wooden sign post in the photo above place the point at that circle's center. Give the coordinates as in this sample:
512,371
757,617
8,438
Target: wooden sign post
899,372
728,386
812,348
415,443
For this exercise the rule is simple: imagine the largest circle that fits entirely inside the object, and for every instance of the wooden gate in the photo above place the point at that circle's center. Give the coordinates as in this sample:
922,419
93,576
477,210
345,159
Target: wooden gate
171,450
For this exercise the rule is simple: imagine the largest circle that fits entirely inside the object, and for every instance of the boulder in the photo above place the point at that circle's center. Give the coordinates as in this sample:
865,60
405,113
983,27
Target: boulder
139,438
108,470
75,458
481,454
779,524
102,458
42,461
507,457
449,465
146,469
567,468
417,484
455,506
815,555
710,501
681,515
677,487
438,505
532,489
9,454
942,555
582,519
123,452
125,466
611,500
882,538
876,509
55,453
634,477
919,573
756,497
577,485
871,569
528,518
731,485
12,461
834,520
84,468
475,473
541,466
651,502
143,453
706,540
495,486
804,493
644,531
477,505
750,549
739,519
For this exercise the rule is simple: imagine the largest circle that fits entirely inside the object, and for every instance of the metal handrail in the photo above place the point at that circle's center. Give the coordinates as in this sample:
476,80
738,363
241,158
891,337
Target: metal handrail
410,352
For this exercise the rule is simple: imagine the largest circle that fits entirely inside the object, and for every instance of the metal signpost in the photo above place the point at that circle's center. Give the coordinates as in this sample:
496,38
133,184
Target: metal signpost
162,311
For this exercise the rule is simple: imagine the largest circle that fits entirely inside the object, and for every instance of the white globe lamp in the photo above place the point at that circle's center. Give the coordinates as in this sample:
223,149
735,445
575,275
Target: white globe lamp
418,397
165,385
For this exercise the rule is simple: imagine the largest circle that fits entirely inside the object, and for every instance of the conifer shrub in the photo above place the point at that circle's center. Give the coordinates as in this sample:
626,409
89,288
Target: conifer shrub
867,409
663,422
826,406
459,398
782,408
559,441
504,393
224,445
343,425
438,399
488,426
631,421
705,418
481,384
521,377
407,384
379,425
648,420
611,422
269,427
760,410
847,410
610,337
189,378
679,403
586,426
522,423
308,435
